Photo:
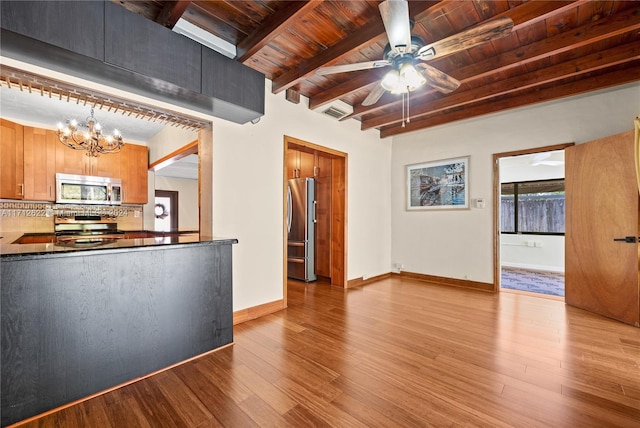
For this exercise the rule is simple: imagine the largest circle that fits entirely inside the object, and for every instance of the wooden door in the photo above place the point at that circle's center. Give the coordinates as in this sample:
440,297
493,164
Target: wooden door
39,164
11,160
601,275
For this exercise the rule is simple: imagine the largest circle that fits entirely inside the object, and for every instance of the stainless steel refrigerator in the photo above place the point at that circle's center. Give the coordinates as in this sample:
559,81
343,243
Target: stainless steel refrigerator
301,224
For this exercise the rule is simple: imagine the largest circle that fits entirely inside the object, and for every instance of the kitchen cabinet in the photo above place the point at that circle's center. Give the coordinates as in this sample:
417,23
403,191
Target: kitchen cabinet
70,161
134,165
304,164
40,164
11,160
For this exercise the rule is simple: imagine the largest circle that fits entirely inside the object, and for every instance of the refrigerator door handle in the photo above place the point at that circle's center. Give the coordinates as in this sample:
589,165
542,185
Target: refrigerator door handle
315,205
289,209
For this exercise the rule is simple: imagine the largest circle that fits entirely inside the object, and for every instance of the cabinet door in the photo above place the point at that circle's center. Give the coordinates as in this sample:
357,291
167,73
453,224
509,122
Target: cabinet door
69,161
11,160
292,163
106,165
322,166
306,164
134,167
39,164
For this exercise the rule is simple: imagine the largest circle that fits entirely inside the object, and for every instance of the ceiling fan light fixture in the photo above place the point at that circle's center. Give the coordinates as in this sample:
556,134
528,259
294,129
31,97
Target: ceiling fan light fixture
391,81
404,80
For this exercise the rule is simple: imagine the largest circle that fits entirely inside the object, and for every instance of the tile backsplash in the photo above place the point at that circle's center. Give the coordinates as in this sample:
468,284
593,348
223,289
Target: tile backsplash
36,217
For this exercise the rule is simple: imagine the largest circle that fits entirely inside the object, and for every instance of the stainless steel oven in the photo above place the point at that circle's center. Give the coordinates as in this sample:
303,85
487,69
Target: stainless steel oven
86,230
85,189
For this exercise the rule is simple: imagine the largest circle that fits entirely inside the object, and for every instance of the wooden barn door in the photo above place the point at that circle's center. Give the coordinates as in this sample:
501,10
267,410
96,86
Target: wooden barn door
601,240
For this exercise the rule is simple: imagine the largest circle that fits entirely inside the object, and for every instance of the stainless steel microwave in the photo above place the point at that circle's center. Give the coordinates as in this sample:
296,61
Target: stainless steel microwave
85,189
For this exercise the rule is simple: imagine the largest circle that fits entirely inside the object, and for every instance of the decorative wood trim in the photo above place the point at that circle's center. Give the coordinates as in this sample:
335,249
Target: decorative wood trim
496,199
450,282
205,181
254,312
182,152
359,282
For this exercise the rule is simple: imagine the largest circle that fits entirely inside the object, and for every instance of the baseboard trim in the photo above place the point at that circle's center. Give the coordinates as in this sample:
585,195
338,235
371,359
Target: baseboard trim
451,282
254,312
358,282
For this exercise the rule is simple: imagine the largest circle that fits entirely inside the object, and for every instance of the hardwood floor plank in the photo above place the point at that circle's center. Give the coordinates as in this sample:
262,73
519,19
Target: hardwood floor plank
397,352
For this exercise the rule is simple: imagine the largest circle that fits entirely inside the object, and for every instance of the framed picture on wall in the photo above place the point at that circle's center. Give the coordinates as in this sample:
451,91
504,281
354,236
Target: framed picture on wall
438,185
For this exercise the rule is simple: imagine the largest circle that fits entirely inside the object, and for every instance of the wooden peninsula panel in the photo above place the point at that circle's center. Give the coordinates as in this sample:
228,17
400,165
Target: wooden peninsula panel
75,324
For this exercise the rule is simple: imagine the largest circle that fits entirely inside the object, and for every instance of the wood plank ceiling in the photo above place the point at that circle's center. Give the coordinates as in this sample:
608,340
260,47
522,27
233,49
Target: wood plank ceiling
556,49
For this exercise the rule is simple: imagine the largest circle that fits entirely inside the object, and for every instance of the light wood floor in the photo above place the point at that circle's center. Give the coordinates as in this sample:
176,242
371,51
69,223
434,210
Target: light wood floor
394,353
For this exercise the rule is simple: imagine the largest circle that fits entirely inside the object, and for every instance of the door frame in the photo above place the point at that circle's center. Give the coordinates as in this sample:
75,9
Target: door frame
496,201
338,214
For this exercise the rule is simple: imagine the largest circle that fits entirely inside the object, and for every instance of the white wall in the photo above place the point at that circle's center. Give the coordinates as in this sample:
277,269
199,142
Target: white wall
459,244
248,181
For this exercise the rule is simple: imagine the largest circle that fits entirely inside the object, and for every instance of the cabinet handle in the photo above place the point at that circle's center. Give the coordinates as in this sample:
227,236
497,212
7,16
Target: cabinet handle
315,169
21,193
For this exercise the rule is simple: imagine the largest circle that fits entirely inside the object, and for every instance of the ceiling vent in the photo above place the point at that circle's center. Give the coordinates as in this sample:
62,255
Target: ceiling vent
336,109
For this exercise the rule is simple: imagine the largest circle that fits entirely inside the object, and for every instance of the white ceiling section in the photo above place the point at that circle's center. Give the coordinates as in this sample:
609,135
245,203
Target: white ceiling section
186,168
45,112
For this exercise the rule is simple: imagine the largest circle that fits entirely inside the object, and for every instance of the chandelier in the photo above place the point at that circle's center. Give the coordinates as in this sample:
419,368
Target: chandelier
89,137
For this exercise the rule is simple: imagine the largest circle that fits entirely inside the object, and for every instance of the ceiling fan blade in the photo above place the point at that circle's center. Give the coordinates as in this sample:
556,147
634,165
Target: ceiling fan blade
374,95
395,16
482,33
352,67
439,80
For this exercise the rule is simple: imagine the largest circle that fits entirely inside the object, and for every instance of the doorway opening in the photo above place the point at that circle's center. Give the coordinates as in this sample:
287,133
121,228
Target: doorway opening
529,221
166,210
327,168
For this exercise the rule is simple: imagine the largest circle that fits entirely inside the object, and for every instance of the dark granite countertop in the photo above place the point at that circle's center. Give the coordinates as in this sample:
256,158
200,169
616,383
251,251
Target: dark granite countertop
8,247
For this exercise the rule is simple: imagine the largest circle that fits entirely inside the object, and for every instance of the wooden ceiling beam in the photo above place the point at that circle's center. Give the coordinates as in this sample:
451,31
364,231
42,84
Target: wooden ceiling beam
171,12
273,27
556,73
523,15
626,21
520,99
366,36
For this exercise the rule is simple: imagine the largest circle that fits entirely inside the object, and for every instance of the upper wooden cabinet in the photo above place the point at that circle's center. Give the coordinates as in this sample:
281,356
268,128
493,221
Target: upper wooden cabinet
306,164
134,167
40,164
11,160
70,161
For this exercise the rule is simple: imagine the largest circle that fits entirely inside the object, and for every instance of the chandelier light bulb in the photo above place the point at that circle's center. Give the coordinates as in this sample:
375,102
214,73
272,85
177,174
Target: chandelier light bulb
90,138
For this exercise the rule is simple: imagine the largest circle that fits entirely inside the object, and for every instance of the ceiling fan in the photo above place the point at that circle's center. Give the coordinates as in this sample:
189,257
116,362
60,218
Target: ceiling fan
406,53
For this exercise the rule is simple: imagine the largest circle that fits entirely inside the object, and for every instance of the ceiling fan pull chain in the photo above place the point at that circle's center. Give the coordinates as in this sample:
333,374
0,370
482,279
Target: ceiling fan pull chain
408,114
403,110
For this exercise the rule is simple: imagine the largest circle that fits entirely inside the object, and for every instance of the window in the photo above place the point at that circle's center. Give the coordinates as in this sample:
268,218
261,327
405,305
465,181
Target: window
533,207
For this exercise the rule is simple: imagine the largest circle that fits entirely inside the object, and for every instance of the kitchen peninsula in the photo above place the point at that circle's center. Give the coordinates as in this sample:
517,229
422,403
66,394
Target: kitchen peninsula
77,321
